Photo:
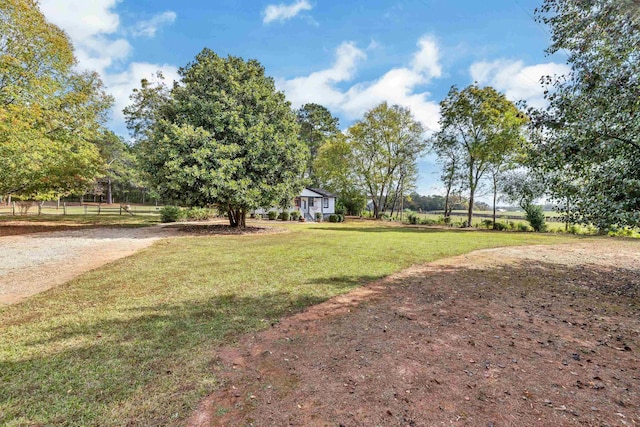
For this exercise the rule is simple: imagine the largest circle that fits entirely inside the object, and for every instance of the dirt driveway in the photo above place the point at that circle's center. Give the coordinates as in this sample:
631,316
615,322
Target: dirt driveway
32,263
537,336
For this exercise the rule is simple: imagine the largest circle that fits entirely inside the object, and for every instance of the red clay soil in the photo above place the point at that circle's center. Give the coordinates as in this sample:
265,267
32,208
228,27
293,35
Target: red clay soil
541,336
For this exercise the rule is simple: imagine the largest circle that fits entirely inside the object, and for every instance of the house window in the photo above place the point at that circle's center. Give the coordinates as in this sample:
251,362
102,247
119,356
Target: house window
297,202
310,202
325,203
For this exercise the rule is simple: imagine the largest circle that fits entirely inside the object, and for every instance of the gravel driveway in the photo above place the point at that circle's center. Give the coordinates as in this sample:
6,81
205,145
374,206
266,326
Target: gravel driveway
33,263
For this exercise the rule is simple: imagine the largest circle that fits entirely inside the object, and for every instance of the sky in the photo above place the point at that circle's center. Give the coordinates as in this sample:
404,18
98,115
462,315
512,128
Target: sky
346,55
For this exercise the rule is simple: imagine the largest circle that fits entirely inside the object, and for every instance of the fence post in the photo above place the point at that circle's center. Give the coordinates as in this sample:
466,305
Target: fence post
85,209
120,209
99,207
39,209
13,208
64,208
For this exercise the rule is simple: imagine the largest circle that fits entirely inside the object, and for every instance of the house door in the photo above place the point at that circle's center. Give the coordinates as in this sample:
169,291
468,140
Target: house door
304,205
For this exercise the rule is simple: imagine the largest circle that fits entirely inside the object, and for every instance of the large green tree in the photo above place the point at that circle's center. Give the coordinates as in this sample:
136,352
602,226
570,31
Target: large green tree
588,139
120,165
222,136
482,126
385,147
334,172
49,113
317,126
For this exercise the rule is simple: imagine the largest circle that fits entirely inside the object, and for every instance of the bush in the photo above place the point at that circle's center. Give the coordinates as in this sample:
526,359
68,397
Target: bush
333,218
535,216
198,214
499,226
413,219
318,216
272,215
340,218
488,223
427,221
295,215
170,214
284,216
522,227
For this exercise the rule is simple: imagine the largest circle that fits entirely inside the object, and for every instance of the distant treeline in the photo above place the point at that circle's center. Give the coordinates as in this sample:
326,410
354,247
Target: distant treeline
419,203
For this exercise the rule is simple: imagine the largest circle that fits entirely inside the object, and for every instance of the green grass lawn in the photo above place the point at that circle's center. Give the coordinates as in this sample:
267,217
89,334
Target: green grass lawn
133,343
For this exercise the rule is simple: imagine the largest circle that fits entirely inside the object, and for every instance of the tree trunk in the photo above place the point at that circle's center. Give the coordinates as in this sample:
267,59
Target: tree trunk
470,212
109,195
495,196
237,217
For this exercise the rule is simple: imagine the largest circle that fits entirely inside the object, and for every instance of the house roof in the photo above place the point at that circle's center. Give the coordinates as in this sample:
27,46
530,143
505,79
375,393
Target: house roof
322,192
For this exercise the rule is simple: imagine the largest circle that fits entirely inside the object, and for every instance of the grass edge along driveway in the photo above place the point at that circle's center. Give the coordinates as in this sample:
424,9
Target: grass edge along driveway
133,343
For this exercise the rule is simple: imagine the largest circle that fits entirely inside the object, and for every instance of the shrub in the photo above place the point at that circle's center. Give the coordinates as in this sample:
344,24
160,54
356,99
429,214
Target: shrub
170,214
333,218
284,216
522,227
535,216
413,219
318,217
499,226
488,223
295,215
198,214
272,215
340,218
427,221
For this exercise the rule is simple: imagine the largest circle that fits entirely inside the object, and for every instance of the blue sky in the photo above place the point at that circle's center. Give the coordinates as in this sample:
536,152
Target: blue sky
346,55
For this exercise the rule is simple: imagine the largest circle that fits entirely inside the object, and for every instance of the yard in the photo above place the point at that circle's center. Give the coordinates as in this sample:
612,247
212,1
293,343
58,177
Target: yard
142,341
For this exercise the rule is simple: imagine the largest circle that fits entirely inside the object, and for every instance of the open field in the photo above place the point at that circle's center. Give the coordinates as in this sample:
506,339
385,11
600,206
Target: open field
135,342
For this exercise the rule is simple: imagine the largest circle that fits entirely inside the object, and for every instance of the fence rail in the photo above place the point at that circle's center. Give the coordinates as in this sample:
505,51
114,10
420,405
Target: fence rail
15,209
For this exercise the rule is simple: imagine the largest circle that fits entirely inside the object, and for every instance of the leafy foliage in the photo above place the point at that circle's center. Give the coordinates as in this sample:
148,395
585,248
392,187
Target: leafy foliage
49,113
385,146
535,216
479,128
317,125
587,139
171,214
223,136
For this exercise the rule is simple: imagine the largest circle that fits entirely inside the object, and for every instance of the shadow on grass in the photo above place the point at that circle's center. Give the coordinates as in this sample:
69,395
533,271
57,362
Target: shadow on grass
160,353
151,364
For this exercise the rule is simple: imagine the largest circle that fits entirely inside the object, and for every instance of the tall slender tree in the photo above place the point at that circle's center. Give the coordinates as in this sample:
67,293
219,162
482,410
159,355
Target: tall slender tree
385,143
481,124
317,126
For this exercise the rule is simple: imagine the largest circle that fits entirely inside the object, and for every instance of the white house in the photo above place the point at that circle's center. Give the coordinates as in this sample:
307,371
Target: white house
315,200
309,202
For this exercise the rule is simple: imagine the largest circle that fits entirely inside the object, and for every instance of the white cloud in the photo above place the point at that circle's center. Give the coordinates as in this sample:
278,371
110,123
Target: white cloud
517,81
94,29
397,86
282,12
150,27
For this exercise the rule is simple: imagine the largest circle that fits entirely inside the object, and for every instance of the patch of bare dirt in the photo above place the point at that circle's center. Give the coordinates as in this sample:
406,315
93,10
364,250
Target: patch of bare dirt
34,262
222,229
544,336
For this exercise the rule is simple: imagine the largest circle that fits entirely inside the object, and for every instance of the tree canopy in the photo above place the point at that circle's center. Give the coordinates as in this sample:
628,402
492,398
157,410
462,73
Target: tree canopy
385,147
49,113
222,136
588,138
317,126
478,128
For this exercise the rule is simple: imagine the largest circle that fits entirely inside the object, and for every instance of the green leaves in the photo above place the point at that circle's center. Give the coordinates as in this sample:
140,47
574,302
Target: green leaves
49,113
222,136
479,130
587,139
